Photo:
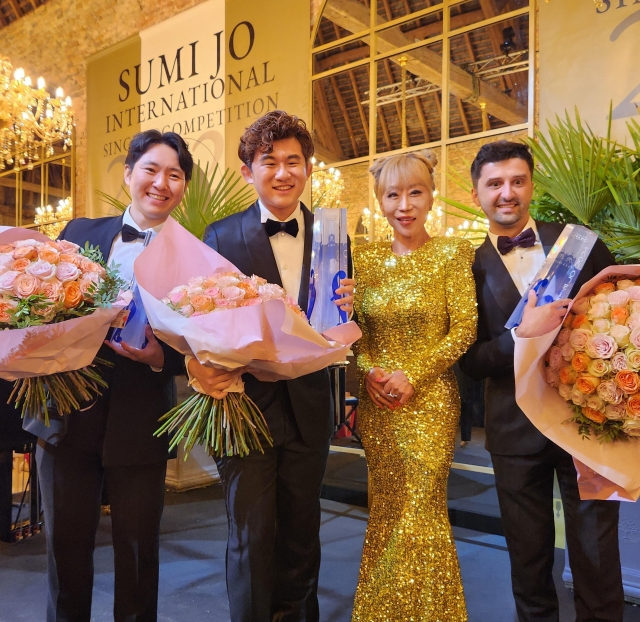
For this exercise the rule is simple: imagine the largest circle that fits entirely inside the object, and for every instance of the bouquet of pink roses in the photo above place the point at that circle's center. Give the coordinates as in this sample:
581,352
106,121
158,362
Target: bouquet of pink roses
48,290
583,380
225,290
237,430
229,321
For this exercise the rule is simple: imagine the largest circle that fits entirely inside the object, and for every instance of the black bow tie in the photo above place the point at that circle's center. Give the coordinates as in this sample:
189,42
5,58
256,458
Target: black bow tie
525,239
129,234
275,226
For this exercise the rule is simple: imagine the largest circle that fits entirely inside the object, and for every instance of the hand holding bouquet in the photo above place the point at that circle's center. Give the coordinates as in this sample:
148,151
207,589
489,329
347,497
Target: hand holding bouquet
583,379
48,293
236,422
203,306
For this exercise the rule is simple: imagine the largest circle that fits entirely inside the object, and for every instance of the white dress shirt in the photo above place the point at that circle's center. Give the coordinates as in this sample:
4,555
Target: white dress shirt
522,263
125,253
287,250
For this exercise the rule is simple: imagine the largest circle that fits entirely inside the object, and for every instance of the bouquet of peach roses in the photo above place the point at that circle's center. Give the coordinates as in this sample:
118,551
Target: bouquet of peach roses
48,291
595,359
582,381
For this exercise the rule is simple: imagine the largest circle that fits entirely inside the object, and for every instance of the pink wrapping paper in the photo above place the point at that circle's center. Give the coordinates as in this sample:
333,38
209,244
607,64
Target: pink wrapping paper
616,464
51,348
270,339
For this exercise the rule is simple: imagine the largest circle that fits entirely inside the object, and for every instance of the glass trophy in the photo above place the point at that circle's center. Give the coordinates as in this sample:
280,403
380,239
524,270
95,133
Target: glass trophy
560,270
131,324
329,258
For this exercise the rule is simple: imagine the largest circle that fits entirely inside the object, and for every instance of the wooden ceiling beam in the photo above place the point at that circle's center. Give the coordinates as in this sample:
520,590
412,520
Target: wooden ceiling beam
387,10
422,32
323,124
457,21
363,116
342,58
489,9
10,182
438,104
423,120
425,63
463,116
390,78
345,114
385,128
15,8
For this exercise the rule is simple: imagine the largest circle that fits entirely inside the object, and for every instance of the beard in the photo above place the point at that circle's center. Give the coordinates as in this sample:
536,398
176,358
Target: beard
509,219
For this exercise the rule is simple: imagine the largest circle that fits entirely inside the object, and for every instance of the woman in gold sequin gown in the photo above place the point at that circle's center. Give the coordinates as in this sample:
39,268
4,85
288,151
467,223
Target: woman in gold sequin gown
415,303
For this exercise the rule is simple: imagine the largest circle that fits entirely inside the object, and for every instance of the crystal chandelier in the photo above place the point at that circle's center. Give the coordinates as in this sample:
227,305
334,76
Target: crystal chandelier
326,185
51,221
30,119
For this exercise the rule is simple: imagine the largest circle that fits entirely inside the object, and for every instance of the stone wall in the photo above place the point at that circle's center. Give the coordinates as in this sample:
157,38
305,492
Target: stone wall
55,40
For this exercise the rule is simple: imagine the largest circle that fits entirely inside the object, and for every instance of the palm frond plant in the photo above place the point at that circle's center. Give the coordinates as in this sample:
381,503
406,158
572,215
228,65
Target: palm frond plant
209,197
572,166
476,231
119,205
620,226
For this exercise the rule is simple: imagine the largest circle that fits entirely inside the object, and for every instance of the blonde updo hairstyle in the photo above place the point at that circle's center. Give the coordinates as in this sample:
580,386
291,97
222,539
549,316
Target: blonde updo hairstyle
402,169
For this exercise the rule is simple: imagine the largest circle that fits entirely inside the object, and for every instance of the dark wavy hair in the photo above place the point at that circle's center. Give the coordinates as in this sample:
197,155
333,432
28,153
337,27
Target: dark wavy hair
275,125
499,151
142,142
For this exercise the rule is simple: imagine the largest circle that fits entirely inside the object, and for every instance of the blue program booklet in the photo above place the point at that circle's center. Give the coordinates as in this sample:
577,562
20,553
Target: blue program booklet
560,271
328,266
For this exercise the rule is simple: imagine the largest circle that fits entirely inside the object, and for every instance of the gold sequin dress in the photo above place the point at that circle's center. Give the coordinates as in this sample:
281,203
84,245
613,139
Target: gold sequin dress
417,313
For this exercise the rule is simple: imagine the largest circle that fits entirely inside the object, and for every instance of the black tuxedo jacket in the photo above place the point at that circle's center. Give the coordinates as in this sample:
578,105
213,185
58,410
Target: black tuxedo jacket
508,430
242,239
120,424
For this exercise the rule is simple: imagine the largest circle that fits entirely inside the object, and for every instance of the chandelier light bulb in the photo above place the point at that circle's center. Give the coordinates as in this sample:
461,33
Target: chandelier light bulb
67,101
19,73
59,93
27,81
41,82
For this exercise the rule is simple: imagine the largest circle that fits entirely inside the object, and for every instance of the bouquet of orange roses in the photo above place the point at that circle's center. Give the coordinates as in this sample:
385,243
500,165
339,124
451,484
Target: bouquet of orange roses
55,308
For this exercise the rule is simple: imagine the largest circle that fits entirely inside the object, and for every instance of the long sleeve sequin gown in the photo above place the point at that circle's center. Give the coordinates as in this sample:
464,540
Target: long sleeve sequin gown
417,313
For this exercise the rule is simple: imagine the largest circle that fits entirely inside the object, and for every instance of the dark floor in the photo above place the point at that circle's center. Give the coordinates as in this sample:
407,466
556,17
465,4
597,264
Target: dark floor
192,571
194,528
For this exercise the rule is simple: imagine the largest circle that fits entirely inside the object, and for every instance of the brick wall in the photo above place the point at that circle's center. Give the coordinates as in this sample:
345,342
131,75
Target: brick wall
55,40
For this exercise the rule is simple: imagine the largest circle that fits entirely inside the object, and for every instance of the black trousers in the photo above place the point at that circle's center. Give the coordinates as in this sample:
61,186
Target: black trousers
525,492
71,485
273,509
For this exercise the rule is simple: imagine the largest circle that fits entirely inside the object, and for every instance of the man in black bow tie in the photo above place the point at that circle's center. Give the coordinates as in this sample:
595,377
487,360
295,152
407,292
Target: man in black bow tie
273,499
110,442
524,460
